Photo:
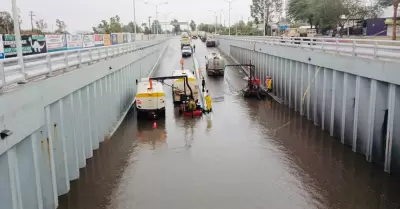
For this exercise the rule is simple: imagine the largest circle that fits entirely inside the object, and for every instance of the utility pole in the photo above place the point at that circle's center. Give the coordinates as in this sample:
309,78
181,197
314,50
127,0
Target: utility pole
32,15
395,7
134,17
220,19
149,24
229,19
156,26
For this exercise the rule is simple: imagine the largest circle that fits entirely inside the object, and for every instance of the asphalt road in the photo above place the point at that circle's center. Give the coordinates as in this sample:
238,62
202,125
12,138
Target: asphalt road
247,154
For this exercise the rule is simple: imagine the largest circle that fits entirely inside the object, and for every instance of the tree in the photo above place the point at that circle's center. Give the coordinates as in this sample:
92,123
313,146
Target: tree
175,24
130,28
6,23
146,29
114,26
41,25
272,8
305,11
192,25
61,26
156,27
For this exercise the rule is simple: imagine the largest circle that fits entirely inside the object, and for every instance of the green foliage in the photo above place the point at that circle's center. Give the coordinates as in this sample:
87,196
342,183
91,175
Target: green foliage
41,25
329,13
175,24
156,25
61,27
6,23
113,26
273,9
130,28
145,28
192,25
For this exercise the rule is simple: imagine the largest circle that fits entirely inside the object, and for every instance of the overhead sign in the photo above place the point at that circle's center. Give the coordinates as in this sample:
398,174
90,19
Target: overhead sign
74,41
88,41
98,39
56,43
1,47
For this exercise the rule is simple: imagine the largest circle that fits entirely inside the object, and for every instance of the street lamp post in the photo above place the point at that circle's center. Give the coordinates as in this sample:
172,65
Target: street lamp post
216,20
134,17
17,34
229,21
156,5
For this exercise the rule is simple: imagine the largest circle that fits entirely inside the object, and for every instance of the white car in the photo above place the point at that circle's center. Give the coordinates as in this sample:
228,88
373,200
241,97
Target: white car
186,51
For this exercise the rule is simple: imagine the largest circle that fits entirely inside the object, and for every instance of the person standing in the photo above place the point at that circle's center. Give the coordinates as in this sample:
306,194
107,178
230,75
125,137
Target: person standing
182,63
203,84
208,102
194,48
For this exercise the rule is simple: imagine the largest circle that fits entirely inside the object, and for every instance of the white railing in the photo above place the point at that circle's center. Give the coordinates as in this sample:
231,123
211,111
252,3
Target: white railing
14,71
375,49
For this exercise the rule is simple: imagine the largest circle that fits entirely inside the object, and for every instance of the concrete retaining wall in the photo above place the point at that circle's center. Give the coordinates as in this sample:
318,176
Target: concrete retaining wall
58,122
356,100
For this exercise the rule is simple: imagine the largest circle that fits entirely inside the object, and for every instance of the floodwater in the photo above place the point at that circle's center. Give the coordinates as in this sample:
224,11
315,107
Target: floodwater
248,154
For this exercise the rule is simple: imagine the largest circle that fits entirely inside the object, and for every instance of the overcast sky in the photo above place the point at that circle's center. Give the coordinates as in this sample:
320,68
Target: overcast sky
81,15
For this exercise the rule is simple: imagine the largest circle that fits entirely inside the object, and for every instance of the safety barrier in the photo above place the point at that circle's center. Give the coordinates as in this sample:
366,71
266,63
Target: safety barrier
375,49
14,70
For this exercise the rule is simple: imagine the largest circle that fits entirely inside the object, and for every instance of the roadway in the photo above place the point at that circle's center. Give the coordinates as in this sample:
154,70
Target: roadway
247,154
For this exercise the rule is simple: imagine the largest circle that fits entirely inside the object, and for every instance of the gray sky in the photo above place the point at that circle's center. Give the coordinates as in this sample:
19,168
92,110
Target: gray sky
81,15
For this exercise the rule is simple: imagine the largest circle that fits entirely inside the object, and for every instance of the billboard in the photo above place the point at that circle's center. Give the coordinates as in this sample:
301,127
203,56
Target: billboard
30,45
56,43
38,44
1,47
88,41
120,38
98,39
74,41
107,39
114,38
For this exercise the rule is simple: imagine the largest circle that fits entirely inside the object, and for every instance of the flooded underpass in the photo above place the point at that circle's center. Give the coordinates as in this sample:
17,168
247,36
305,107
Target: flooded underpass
246,154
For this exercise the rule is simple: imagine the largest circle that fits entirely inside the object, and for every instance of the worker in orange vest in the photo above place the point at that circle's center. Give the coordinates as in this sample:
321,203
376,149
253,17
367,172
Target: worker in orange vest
182,63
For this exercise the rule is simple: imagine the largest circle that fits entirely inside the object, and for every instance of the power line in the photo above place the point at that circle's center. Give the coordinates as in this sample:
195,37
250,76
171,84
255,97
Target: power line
32,15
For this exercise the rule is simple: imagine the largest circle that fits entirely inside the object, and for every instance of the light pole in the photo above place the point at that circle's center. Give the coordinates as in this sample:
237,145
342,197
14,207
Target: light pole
229,21
17,34
156,5
134,17
216,19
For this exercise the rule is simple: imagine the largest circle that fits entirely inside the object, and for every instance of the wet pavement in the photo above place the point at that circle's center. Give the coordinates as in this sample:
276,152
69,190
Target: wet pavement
247,154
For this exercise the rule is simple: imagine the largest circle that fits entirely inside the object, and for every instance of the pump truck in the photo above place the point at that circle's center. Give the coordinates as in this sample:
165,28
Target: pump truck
253,88
184,106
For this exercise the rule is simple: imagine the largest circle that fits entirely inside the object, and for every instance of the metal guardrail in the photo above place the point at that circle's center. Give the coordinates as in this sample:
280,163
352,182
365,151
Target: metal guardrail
16,71
375,49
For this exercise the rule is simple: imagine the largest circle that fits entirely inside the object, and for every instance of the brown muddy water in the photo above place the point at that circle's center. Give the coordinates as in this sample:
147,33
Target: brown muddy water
248,154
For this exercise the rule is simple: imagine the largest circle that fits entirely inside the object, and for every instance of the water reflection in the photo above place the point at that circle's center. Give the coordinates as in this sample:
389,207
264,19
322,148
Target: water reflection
151,133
